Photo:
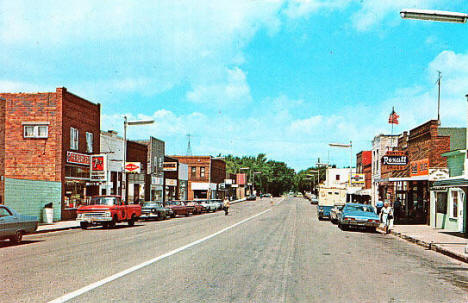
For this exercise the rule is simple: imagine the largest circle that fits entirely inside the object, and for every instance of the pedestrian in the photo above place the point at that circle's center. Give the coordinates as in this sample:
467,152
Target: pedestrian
386,216
226,205
397,209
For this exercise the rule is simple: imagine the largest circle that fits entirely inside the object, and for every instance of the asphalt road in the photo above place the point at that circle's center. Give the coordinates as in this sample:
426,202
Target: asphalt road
283,254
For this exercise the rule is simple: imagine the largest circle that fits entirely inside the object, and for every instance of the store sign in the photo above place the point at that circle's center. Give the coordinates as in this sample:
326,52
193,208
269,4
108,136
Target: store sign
357,179
170,166
436,174
156,180
394,160
171,182
77,158
240,179
98,171
419,168
133,167
228,181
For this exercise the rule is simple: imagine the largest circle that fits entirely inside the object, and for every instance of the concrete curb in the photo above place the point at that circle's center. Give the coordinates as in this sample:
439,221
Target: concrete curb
238,201
435,247
44,231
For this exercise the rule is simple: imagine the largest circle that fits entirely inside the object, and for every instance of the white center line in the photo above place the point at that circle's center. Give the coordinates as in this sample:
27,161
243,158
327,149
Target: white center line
118,275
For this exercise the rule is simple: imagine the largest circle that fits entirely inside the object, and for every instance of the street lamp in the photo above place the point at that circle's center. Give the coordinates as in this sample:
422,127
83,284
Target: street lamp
432,15
124,174
350,146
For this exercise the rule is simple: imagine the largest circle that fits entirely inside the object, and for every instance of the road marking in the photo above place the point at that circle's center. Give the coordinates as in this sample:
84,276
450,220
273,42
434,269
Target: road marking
116,276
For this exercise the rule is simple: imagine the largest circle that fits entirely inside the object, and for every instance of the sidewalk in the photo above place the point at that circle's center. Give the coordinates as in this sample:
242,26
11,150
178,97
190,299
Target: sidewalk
433,239
61,225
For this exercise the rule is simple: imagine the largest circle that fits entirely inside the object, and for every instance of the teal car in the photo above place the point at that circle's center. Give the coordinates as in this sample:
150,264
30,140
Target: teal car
155,210
355,215
14,225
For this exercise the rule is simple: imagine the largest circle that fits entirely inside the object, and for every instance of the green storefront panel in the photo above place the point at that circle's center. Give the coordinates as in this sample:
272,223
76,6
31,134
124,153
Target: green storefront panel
28,197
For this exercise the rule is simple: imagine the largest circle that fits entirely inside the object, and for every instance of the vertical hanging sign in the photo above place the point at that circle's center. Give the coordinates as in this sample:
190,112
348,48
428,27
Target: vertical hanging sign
98,171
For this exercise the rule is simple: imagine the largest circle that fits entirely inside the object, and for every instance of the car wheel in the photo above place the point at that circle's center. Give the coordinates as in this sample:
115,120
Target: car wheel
113,222
187,214
131,222
17,238
173,215
84,225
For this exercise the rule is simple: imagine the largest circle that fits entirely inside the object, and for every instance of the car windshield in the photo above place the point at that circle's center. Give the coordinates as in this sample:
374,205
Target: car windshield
173,202
148,204
364,208
104,201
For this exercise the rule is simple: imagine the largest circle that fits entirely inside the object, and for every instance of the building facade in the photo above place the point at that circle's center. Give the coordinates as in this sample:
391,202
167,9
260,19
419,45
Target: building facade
48,139
381,144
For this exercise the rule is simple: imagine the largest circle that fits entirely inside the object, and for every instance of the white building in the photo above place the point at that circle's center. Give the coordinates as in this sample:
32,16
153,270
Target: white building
338,177
112,146
380,145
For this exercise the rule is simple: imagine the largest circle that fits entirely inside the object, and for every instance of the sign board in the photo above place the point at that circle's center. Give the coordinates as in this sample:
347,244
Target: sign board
419,168
98,170
77,158
170,166
156,180
240,179
171,182
436,174
133,167
227,181
357,179
395,160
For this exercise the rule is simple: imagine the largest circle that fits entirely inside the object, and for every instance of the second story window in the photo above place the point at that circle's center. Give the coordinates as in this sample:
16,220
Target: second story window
202,172
89,142
337,177
36,131
194,172
73,138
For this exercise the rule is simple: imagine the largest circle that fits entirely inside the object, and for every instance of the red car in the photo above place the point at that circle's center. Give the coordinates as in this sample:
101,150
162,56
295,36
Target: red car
178,208
196,208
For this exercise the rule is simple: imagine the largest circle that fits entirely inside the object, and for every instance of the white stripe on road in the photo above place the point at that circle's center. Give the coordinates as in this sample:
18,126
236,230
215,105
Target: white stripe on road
116,276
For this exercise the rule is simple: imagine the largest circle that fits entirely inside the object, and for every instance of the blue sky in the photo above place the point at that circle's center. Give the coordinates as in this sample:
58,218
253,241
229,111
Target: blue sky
282,77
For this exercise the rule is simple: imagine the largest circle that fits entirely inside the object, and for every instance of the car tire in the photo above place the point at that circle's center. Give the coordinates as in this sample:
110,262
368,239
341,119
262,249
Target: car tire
17,238
84,225
113,222
173,215
131,222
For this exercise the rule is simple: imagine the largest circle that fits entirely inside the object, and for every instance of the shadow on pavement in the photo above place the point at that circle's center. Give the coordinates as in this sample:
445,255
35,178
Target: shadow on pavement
8,243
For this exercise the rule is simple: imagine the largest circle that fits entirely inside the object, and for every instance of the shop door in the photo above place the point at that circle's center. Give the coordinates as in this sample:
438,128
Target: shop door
461,210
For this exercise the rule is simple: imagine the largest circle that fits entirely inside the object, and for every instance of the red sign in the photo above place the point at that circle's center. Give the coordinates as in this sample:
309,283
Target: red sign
77,158
98,163
240,179
98,170
419,168
132,167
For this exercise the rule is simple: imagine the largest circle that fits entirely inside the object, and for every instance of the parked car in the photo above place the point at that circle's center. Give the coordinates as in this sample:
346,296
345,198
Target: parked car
313,200
178,208
155,210
14,225
265,195
334,212
219,203
251,198
194,207
358,215
107,211
209,205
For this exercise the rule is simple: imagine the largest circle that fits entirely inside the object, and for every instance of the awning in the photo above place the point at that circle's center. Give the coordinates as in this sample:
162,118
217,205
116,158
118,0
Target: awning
364,192
352,190
450,183
414,178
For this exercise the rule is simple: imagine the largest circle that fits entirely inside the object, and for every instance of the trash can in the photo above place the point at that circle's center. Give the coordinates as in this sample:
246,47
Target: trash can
48,214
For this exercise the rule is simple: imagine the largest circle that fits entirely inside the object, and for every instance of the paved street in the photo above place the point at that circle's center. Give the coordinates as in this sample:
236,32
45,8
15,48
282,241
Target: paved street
282,255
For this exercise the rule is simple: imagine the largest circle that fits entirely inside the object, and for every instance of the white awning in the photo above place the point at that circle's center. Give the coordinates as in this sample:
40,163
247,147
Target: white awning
200,186
352,190
414,178
364,192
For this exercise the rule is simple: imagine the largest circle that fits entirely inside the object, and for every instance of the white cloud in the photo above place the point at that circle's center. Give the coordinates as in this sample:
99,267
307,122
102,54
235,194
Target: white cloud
301,8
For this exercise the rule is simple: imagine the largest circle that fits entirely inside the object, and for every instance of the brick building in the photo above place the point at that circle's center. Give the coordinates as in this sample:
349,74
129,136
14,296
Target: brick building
136,152
47,139
364,166
205,176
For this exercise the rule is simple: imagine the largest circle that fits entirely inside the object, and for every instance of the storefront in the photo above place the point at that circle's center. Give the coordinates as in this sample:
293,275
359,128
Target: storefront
200,190
171,189
78,186
448,205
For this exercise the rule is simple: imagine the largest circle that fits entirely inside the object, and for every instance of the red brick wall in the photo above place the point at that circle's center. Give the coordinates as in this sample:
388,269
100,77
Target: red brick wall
33,159
2,149
137,152
218,171
197,162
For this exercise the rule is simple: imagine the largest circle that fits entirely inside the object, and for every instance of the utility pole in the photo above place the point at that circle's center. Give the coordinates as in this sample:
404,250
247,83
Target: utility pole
438,98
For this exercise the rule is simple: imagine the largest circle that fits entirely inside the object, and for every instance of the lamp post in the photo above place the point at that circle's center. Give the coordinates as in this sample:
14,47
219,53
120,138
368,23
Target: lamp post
350,146
123,192
253,181
433,15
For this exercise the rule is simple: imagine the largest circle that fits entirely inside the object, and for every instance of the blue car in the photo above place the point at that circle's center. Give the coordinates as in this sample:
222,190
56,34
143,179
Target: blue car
13,225
358,216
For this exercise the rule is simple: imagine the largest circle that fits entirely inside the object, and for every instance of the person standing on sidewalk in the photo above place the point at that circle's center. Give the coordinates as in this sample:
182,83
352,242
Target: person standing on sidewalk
226,205
386,216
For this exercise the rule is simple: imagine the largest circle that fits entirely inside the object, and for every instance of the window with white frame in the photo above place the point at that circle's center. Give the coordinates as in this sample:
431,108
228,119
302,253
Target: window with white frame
35,131
73,138
454,203
89,142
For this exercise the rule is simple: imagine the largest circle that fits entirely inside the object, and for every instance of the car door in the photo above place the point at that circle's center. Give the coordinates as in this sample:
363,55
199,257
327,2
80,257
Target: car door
8,222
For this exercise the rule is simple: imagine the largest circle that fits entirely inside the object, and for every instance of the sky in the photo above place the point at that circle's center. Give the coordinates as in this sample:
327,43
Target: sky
280,77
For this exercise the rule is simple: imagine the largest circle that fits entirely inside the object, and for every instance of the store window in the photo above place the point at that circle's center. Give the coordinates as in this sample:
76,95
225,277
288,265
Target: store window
441,202
89,142
454,204
337,177
73,138
36,131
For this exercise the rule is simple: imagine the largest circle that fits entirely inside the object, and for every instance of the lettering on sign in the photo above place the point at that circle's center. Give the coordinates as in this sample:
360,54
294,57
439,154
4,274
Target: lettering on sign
133,167
419,168
98,171
77,158
394,160
170,166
